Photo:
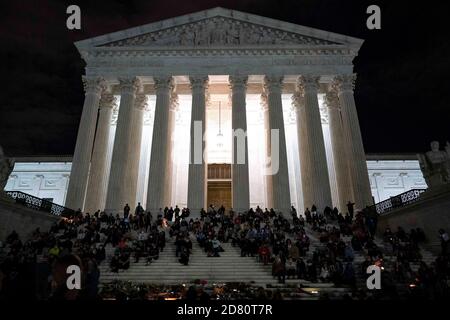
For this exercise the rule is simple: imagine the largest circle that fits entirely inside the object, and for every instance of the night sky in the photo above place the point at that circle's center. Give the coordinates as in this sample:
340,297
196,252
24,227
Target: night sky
402,93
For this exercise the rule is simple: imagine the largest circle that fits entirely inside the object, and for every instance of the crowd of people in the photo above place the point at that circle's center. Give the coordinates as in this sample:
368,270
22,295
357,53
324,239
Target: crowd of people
37,266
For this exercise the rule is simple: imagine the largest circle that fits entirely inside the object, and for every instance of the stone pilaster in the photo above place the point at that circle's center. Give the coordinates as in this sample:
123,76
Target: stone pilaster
160,146
280,178
356,156
85,139
239,166
98,175
339,150
118,194
313,161
197,165
140,103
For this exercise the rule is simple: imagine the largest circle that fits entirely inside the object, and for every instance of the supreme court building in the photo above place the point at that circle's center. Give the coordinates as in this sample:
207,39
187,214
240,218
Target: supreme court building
147,87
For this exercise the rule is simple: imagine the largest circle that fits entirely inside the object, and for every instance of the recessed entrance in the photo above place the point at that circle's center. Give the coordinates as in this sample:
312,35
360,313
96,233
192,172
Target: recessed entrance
219,193
219,185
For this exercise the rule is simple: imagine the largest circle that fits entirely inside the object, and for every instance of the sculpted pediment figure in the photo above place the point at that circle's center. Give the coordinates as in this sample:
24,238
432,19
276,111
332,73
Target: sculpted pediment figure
219,31
435,165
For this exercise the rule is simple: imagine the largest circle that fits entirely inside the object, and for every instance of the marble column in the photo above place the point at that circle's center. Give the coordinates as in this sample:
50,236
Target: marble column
118,195
314,171
338,148
197,164
85,139
140,104
266,159
239,167
98,175
280,178
298,102
173,106
160,146
356,156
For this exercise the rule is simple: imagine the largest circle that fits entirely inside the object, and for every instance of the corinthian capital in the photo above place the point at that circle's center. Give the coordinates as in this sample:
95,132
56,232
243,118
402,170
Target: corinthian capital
130,85
264,103
345,82
298,99
94,85
199,82
273,83
174,102
308,83
108,100
164,83
332,100
238,83
141,101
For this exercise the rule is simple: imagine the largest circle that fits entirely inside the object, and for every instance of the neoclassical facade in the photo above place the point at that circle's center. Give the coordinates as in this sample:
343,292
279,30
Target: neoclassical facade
260,75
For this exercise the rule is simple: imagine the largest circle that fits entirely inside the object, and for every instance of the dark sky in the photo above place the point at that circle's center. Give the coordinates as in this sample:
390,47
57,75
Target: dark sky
403,87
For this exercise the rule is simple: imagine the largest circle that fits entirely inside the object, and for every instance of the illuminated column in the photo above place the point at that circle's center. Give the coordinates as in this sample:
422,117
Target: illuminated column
279,167
356,156
98,175
160,146
118,194
338,148
140,103
314,170
76,192
239,167
173,105
197,164
267,177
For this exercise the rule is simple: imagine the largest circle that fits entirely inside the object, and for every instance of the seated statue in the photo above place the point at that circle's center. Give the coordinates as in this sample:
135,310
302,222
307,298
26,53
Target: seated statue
435,165
6,167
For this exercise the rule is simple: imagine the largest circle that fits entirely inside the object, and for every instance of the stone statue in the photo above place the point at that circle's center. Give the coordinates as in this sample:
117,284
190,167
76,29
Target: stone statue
6,167
435,165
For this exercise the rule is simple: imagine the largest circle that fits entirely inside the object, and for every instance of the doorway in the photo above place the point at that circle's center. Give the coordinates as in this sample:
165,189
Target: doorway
219,193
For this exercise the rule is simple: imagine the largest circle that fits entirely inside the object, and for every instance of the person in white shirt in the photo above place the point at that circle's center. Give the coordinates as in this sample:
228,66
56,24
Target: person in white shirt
445,239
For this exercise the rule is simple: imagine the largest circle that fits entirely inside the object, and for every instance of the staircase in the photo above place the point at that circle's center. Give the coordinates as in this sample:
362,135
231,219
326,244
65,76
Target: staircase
229,267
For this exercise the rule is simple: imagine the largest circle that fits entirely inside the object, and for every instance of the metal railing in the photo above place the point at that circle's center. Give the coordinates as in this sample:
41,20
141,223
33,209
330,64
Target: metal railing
396,202
39,204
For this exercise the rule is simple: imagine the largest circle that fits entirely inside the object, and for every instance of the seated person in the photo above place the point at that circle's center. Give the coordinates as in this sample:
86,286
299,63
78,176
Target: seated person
124,261
291,268
153,253
184,256
216,247
264,253
201,238
114,263
138,251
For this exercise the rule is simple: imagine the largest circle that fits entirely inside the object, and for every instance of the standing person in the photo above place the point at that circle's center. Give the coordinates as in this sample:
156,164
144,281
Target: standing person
126,211
279,268
351,209
177,212
139,209
445,239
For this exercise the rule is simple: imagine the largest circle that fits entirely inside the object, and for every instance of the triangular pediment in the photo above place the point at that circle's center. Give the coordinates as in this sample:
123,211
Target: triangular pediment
219,27
219,31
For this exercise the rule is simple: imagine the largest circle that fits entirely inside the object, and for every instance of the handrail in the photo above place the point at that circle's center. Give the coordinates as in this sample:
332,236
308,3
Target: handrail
39,204
398,201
